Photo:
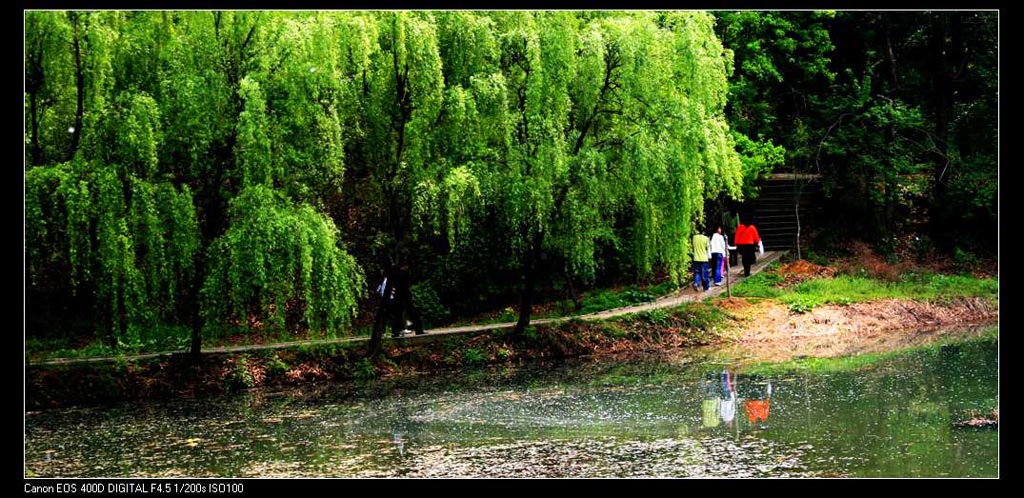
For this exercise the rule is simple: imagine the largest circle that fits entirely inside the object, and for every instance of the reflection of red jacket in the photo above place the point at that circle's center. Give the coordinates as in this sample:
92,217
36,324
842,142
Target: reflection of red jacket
757,409
746,234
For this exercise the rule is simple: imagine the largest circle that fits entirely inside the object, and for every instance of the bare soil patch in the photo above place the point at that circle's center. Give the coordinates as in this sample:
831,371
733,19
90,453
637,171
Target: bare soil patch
769,331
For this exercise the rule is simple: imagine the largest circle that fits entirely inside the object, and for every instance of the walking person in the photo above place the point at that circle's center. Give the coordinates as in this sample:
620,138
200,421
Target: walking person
401,304
719,245
747,241
701,255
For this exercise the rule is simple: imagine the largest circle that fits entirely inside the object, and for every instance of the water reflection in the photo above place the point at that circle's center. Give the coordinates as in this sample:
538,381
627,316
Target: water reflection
710,405
724,390
757,400
728,398
890,418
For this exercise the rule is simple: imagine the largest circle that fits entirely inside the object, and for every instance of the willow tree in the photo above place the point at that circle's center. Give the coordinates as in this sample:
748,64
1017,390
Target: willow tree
49,86
179,180
126,235
614,119
281,261
418,146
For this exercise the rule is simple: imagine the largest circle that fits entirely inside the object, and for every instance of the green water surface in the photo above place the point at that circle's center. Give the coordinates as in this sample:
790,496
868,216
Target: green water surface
697,417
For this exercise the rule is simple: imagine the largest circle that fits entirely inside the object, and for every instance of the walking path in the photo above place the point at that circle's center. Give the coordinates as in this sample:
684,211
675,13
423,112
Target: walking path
686,294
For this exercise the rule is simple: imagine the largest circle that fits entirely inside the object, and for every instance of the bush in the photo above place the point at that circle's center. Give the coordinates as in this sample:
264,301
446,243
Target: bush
364,369
276,367
803,304
473,357
431,309
240,377
964,261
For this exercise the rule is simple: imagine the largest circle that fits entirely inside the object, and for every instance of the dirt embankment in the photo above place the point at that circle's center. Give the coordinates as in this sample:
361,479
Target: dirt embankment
764,330
769,331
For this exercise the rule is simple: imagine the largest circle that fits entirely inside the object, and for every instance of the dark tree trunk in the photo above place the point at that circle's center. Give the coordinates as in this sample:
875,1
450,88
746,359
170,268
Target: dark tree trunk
529,281
380,320
34,79
944,60
195,351
35,147
576,303
212,223
76,134
120,321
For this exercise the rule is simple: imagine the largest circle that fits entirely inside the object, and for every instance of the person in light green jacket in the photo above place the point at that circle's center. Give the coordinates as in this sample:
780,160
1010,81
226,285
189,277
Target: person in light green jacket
701,255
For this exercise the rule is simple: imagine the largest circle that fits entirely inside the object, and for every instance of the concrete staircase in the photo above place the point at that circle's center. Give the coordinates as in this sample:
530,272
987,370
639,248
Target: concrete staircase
775,208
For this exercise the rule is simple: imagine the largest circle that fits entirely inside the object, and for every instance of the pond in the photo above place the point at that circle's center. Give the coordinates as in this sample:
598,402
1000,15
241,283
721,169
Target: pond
701,415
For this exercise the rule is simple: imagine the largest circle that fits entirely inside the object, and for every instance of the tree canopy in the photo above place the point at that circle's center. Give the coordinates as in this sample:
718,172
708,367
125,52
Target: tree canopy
237,171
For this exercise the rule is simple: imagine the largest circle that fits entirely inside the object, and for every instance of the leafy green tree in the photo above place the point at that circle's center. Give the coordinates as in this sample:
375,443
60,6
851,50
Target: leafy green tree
169,126
781,74
615,117
423,142
912,118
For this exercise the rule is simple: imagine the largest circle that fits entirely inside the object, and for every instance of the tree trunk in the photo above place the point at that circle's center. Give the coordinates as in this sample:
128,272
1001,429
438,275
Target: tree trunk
76,134
380,320
942,102
529,277
122,319
34,78
35,147
576,303
195,351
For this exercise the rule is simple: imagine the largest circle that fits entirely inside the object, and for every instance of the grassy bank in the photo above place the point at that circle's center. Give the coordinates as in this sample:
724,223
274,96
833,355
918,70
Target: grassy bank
167,377
848,289
176,338
656,331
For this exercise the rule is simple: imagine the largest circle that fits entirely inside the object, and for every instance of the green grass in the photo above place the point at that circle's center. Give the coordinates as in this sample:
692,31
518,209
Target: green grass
844,289
700,315
591,302
759,285
45,350
607,299
158,338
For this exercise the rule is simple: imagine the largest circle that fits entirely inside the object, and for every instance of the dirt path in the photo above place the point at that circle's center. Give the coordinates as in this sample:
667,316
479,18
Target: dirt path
668,301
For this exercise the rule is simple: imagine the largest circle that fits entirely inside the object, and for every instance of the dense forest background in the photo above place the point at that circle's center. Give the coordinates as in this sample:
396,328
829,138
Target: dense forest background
195,174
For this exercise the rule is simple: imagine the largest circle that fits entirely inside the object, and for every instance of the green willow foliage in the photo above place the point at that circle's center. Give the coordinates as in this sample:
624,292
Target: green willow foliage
615,118
118,231
162,105
279,260
216,154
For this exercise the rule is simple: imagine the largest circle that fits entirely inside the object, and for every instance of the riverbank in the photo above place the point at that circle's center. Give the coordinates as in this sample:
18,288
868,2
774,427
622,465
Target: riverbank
905,413
607,303
767,328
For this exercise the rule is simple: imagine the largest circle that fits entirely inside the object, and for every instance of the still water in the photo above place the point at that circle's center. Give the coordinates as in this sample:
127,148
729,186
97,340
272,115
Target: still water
700,416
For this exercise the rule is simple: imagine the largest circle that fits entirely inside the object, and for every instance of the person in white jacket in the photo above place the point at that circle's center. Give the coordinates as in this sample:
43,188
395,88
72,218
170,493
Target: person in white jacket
719,247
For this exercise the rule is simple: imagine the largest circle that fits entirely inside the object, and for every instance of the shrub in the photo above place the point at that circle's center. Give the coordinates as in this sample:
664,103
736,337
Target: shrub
240,377
473,357
364,369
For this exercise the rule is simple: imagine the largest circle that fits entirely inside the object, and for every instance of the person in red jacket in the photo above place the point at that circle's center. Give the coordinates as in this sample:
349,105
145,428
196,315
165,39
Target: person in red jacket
747,240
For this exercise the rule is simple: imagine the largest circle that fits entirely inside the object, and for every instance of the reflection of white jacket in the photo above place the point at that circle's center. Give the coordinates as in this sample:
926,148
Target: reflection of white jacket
728,408
717,244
